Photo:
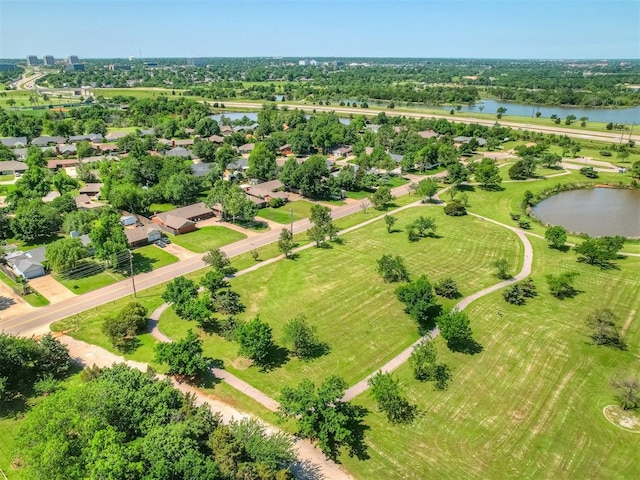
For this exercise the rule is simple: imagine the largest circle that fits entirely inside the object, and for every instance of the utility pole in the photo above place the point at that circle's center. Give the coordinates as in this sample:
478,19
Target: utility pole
133,282
291,214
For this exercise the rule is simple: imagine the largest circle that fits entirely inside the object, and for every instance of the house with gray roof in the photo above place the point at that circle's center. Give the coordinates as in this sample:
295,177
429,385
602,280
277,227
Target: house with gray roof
45,141
179,152
14,142
246,148
201,169
140,236
11,167
89,137
27,264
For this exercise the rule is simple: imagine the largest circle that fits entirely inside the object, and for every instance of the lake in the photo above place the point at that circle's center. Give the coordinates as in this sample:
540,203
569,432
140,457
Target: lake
597,212
606,115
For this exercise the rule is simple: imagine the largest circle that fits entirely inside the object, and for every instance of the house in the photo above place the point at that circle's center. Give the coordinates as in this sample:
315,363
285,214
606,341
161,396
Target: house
183,220
66,149
427,134
201,169
84,202
27,264
245,128
259,202
216,139
14,142
57,164
343,151
372,127
20,153
89,137
140,236
246,148
268,190
285,150
239,166
45,141
105,147
186,142
91,189
51,196
11,167
113,136
226,130
178,152
396,158
148,132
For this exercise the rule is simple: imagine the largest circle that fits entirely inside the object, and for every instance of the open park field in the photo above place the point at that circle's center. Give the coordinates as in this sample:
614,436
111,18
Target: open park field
530,404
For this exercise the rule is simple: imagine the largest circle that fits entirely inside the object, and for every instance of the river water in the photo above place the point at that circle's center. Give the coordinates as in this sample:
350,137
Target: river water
597,212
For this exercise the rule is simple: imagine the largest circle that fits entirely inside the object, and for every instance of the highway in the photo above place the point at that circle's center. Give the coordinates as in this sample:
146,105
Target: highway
611,137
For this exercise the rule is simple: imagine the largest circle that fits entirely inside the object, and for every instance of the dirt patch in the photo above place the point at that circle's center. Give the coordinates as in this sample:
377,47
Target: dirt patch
241,363
627,324
624,419
518,415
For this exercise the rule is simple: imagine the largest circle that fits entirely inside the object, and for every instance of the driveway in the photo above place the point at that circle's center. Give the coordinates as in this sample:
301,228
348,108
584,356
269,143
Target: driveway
51,289
178,251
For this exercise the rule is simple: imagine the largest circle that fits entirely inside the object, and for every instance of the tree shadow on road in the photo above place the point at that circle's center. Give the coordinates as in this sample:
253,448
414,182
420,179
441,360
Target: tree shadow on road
6,302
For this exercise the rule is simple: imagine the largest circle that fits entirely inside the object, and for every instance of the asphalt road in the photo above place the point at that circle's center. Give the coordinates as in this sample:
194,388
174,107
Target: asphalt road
585,135
38,321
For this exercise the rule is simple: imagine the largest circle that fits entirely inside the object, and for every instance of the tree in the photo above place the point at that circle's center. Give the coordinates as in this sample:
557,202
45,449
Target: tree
523,168
551,159
123,328
502,264
561,285
53,357
198,310
228,302
419,301
556,236
262,163
422,224
427,187
126,196
63,183
182,188
285,242
107,237
392,269
214,280
179,292
381,197
423,360
599,251
588,172
386,391
603,323
302,338
274,449
79,220
35,220
322,224
65,253
457,173
322,415
183,357
488,174
217,259
518,293
455,208
64,204
311,174
447,288
627,391
455,329
206,127
390,221
255,340
635,169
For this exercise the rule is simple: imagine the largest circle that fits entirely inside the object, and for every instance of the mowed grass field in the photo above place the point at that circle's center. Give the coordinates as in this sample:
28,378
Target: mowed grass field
206,238
301,209
341,293
530,404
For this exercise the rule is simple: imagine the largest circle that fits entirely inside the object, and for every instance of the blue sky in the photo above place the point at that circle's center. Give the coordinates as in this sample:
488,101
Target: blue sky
306,28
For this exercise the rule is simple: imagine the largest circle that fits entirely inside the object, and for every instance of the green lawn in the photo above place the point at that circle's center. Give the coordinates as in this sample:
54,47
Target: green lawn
356,313
301,209
145,259
6,178
34,299
206,238
530,404
161,207
359,195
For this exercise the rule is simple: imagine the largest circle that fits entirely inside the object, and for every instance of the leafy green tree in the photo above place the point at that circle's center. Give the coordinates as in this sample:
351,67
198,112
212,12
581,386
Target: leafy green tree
390,221
551,160
255,340
35,220
274,449
634,171
206,151
392,269
290,173
214,280
588,172
285,242
518,293
227,301
322,224
381,198
64,204
603,324
488,174
206,127
122,328
302,338
447,288
310,174
198,310
455,208
561,285
180,291
419,301
80,221
391,400
63,183
125,196
184,357
556,236
522,169
422,224
423,360
322,415
182,189
65,253
262,163
454,328
217,259
457,174
427,187
502,264
599,251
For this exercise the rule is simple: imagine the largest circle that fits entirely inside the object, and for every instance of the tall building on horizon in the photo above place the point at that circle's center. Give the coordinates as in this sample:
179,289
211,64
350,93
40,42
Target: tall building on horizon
73,59
32,61
49,61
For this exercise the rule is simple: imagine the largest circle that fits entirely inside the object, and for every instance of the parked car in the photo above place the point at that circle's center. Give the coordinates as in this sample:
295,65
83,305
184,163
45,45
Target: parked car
161,244
166,240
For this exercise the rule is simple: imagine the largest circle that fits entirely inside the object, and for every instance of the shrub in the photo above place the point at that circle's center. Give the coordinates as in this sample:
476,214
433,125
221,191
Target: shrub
455,209
447,288
276,202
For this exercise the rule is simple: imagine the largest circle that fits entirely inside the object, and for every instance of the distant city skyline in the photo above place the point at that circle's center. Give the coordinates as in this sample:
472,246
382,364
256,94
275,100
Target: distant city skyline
519,29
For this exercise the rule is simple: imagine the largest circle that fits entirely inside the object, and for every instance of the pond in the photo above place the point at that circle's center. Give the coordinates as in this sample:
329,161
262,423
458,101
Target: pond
597,212
606,115
253,116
